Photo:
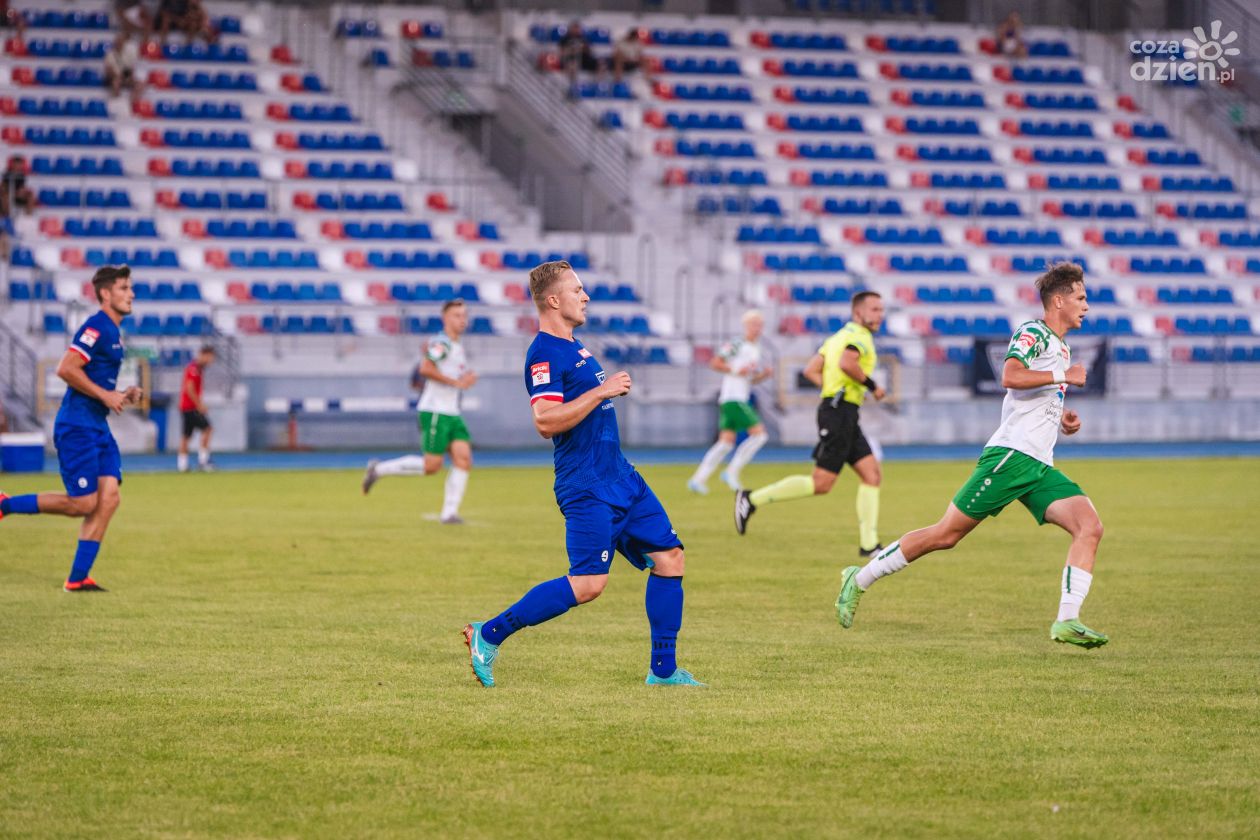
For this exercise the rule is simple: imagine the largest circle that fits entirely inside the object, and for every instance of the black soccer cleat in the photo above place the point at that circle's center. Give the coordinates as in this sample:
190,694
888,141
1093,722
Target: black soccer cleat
85,585
864,552
744,508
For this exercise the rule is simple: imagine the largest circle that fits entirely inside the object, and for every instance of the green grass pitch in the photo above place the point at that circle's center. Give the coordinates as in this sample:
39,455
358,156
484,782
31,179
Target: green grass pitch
281,657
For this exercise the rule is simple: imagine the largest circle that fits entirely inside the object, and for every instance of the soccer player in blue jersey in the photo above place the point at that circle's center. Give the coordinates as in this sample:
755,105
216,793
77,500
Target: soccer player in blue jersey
91,468
607,506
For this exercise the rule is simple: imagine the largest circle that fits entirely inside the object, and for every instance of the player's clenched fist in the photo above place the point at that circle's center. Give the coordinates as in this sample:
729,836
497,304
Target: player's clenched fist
617,385
1075,376
1070,422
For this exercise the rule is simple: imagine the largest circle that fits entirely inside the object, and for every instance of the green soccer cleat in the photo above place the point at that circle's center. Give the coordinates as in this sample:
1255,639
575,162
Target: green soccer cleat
1074,633
679,677
482,654
850,594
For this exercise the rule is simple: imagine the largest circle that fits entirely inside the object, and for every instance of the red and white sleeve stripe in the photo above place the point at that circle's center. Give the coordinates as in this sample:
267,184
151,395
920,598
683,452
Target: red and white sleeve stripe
554,396
76,348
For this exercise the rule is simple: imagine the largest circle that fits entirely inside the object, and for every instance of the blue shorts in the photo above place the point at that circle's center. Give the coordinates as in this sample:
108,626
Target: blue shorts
86,455
625,516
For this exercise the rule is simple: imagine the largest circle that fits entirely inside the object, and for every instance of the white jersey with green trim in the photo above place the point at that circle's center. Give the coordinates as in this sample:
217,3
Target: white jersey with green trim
448,355
1030,417
739,354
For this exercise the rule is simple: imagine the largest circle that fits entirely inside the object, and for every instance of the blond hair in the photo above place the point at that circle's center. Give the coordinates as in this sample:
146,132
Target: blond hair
544,277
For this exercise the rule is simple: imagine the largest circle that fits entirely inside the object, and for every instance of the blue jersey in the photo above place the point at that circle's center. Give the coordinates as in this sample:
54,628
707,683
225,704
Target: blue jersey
99,342
589,454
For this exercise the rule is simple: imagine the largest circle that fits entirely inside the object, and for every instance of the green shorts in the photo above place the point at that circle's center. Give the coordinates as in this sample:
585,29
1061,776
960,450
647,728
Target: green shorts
737,416
1003,475
438,430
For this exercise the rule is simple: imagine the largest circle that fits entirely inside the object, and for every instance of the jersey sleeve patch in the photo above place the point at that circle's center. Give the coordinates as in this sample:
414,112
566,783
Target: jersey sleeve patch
438,350
1026,345
85,341
544,378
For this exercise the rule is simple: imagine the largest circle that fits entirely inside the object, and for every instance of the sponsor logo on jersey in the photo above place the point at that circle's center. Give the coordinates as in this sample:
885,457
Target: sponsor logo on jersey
584,353
600,375
89,337
540,374
1026,340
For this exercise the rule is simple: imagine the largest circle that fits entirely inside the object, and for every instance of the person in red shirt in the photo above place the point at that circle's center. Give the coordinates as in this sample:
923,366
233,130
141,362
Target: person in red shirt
193,407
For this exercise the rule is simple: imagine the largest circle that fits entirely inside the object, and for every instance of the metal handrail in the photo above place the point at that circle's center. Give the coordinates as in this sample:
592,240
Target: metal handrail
600,151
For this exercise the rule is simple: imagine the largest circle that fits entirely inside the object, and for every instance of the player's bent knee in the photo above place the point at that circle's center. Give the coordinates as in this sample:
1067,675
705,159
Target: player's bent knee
587,588
670,563
81,506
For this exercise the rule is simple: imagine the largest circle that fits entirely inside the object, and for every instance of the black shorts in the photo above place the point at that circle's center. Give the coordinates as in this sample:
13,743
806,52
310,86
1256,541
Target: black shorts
840,438
195,421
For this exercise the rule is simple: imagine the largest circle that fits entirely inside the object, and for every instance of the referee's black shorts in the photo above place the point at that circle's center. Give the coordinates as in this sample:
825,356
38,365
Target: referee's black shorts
840,438
195,421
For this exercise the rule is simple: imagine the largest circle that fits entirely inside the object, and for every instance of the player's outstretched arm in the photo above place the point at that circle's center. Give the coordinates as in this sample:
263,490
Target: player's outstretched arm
1017,376
70,370
554,418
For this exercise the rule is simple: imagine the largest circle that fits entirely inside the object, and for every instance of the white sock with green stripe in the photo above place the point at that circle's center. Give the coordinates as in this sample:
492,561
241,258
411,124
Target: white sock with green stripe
887,562
710,461
1075,587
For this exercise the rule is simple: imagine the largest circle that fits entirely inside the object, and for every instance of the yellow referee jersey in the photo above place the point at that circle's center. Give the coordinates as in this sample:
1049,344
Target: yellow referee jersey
835,381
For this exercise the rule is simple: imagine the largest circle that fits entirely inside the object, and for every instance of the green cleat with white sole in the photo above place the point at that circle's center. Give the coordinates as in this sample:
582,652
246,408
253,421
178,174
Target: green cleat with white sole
1074,633
850,594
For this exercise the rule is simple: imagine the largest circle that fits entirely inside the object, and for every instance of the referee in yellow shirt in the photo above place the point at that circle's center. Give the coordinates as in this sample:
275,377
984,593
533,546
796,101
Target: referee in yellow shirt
842,369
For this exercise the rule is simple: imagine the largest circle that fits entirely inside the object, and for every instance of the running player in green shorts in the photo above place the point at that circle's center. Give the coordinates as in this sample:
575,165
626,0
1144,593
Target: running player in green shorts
740,361
1018,463
446,376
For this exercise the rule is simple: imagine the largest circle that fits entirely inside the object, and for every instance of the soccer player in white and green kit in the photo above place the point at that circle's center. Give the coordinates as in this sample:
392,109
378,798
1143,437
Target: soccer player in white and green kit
442,431
740,362
1018,463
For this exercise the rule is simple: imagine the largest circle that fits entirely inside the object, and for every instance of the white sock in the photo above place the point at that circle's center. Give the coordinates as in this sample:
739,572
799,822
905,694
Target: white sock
181,461
203,456
888,561
745,453
406,465
1075,587
710,461
456,483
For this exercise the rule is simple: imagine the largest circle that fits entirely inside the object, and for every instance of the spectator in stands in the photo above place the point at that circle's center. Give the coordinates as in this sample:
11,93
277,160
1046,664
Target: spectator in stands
14,193
1010,37
11,18
576,54
120,67
135,17
628,56
187,16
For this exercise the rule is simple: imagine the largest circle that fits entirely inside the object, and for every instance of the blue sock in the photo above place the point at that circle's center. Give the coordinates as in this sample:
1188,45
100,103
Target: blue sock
542,603
84,557
20,504
664,601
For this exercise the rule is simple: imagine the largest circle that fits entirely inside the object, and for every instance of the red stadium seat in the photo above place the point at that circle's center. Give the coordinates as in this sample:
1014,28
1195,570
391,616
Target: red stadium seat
152,138
8,106
23,76
907,153
194,228
975,236
379,292
654,118
799,178
772,67
1137,156
492,260
1209,238
1023,155
470,231
776,121
854,235
159,79
12,135
759,39
215,258
294,169
1002,73
390,325
159,167
15,47
515,292
812,205
896,125
357,260
281,54
332,229
72,258
1123,129
901,97
304,201
286,140
51,227
1014,100
988,46
920,180
151,51
664,148
889,71
168,199
248,325
1150,183
1011,127
410,29
239,292
144,109
787,150
276,111
438,201
675,177
292,82
662,90
1126,102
